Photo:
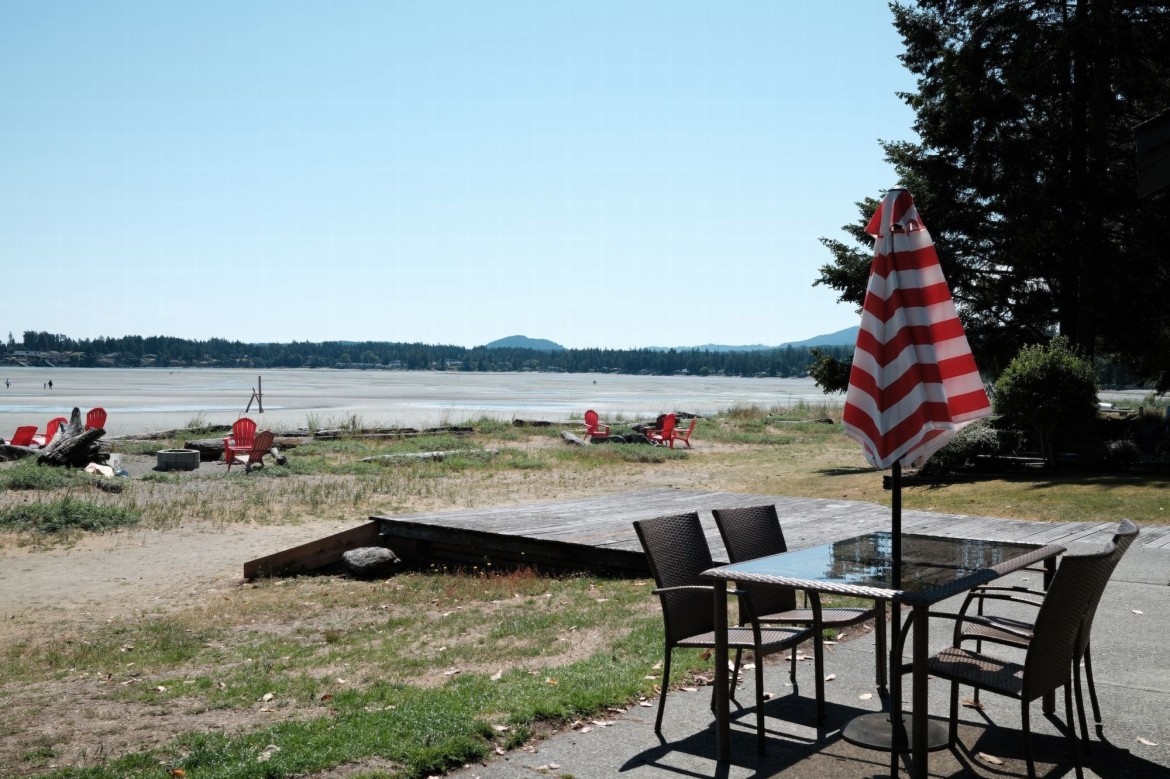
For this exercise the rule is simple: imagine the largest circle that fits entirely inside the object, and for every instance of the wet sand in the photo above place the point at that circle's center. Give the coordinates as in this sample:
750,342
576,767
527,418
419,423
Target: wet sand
143,400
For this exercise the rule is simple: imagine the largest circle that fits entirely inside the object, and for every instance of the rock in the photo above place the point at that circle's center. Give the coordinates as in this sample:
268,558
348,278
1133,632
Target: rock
369,562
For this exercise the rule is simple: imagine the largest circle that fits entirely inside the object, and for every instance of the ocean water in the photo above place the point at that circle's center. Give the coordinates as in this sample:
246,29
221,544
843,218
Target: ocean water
140,400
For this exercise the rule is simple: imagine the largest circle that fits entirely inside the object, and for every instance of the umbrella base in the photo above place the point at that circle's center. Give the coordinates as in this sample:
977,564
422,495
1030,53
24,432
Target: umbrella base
876,731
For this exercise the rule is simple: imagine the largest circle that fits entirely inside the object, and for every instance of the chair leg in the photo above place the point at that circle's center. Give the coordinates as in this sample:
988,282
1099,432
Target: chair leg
880,641
759,701
735,673
665,687
1076,682
1025,722
953,726
1074,747
1092,686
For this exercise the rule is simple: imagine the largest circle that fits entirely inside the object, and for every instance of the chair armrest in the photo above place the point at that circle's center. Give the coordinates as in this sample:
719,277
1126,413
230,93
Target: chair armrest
695,588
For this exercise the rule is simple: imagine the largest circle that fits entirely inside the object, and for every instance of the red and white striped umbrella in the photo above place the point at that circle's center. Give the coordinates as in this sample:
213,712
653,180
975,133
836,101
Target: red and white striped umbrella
914,382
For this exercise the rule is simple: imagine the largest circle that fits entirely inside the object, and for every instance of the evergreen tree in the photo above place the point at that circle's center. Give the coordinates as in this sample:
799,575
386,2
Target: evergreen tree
1025,175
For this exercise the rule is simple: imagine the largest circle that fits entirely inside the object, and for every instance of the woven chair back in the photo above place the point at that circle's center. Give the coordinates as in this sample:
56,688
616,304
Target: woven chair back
676,549
753,532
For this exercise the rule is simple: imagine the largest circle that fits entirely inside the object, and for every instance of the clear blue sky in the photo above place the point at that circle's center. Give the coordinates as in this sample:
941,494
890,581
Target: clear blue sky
610,174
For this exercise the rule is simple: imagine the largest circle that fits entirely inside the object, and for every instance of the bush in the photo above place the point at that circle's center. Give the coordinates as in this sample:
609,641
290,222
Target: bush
977,438
1121,454
1050,390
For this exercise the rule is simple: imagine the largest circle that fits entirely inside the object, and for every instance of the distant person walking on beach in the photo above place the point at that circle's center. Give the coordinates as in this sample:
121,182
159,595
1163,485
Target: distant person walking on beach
7,384
50,384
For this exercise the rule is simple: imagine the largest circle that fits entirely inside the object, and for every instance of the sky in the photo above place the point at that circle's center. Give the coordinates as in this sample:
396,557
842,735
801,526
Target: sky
600,174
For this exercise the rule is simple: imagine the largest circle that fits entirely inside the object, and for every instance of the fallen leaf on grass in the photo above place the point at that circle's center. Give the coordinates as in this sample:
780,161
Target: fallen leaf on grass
992,759
1146,741
452,672
551,680
178,773
585,729
501,728
830,677
500,751
705,654
267,697
601,723
1138,611
497,675
689,689
647,704
267,754
328,696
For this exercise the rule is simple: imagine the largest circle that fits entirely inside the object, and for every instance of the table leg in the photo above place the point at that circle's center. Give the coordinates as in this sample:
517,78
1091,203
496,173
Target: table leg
918,703
722,707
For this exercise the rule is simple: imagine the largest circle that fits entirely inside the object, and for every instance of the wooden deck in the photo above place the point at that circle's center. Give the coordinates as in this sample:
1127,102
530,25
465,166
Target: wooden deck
597,533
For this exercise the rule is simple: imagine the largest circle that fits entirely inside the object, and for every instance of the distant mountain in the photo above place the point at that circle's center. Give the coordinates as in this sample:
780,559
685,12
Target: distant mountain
846,337
524,342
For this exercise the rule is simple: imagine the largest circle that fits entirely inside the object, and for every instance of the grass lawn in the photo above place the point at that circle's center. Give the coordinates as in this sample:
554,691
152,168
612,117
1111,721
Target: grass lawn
427,670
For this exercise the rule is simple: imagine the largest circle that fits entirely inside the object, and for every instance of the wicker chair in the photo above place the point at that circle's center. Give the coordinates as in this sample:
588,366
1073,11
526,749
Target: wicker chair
754,532
676,549
1048,661
1008,631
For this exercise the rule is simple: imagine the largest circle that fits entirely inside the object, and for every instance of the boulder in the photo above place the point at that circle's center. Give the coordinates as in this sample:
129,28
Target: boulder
370,562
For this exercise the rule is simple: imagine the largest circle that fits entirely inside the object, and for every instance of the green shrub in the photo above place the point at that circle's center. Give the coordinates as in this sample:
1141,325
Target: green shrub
1121,453
1050,390
977,438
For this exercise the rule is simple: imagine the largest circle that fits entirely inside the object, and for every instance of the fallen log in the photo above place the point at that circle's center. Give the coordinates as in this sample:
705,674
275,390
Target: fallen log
431,455
573,439
76,451
10,452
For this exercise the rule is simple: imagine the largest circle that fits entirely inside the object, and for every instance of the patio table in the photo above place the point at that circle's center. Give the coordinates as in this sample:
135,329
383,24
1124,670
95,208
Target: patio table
933,568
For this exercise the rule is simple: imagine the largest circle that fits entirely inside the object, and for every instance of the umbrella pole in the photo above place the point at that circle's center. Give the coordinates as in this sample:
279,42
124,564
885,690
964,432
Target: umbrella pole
896,523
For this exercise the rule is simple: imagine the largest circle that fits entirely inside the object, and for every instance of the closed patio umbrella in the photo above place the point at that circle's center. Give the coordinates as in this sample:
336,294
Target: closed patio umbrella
914,382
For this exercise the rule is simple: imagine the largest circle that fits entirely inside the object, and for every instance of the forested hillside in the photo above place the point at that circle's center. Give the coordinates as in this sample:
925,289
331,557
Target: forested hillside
164,352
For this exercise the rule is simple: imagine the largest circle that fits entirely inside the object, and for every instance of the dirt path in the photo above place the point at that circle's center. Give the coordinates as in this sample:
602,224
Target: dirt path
136,571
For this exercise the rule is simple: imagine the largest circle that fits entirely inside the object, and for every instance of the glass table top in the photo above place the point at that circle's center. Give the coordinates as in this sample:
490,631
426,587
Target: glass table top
928,562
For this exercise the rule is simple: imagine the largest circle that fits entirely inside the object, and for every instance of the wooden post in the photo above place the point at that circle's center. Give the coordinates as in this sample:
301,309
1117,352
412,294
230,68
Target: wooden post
258,396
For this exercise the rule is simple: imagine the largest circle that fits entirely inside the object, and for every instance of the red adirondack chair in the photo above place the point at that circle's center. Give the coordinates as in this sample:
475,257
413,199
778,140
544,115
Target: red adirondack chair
593,427
96,418
240,441
23,436
683,435
254,456
664,434
43,439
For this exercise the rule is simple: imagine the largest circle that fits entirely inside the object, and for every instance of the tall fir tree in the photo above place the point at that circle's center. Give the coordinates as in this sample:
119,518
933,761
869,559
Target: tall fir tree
1025,174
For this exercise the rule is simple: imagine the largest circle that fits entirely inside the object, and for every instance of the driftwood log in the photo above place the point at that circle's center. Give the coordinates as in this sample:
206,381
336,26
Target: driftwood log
9,452
431,455
76,451
211,449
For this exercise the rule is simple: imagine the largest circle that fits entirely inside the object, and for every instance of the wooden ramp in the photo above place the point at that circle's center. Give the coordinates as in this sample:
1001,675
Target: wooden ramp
597,534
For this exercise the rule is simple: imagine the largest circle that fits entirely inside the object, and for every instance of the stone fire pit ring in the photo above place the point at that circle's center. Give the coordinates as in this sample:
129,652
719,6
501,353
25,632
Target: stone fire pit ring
178,460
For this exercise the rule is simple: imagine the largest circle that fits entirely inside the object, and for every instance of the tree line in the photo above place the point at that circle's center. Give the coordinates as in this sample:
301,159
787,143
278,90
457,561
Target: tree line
135,351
